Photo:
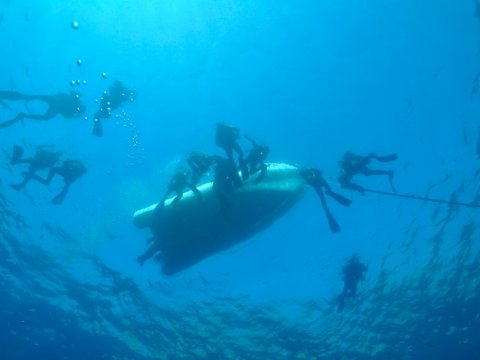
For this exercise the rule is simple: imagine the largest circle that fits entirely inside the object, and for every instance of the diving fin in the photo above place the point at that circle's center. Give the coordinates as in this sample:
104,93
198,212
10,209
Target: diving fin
334,227
390,179
97,128
339,198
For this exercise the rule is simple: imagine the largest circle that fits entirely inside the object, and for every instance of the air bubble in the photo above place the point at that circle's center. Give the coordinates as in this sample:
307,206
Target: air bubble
75,25
104,75
79,62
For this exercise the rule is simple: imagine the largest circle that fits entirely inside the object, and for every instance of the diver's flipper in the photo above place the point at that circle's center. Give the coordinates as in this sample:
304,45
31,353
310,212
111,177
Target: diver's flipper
17,154
334,227
57,200
339,198
390,179
386,158
97,129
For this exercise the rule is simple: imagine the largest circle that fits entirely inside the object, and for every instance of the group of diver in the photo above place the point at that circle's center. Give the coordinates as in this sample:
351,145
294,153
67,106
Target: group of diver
67,105
230,172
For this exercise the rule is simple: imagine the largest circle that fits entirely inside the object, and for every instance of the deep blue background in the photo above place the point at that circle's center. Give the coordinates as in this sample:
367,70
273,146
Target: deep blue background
312,80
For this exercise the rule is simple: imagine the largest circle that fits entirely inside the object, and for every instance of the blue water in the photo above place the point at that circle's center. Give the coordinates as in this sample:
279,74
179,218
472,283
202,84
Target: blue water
310,79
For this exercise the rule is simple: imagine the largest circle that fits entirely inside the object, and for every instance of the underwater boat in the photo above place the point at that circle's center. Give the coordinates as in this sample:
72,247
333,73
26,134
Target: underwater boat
192,230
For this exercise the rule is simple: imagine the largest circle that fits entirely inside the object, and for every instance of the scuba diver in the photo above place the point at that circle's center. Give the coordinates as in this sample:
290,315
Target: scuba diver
63,104
200,164
352,165
255,160
70,171
226,137
45,158
315,179
152,249
112,99
352,273
225,179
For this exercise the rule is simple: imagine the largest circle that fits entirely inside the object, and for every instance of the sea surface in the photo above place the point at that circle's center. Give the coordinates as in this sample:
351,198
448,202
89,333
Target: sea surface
312,80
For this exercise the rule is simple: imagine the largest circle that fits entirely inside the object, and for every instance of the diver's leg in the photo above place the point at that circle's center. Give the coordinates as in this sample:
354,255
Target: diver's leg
371,172
28,176
339,198
386,158
388,173
58,199
10,122
46,116
219,190
177,198
197,192
13,95
149,253
238,150
352,186
334,227
46,181
263,172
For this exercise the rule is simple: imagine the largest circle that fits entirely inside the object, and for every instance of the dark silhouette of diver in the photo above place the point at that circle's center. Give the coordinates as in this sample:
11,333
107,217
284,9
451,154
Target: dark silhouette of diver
70,171
225,179
226,137
315,179
255,160
352,165
63,104
45,158
352,273
112,99
200,164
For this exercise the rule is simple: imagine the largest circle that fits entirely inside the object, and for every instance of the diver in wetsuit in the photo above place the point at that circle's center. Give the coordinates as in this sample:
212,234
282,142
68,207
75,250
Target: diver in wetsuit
224,181
44,158
63,104
352,165
226,137
70,171
315,179
112,99
352,273
255,160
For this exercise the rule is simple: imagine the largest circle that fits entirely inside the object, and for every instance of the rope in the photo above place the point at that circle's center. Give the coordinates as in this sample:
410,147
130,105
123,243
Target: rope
415,197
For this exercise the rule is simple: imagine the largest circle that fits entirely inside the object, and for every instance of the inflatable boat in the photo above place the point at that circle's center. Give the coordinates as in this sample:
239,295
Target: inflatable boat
195,229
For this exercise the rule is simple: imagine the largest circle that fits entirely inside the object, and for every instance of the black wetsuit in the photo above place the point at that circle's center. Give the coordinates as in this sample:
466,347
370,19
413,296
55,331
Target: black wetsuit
352,273
353,165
